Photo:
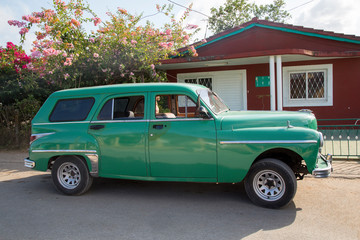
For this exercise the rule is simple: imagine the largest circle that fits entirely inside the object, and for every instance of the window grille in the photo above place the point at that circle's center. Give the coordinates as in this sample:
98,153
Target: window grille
193,80
307,85
207,82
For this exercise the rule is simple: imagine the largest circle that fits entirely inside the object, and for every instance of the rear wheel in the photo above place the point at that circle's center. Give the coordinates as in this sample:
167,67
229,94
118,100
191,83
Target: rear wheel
270,183
71,175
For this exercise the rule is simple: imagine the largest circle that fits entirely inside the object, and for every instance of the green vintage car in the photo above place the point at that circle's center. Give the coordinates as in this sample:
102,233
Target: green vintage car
173,132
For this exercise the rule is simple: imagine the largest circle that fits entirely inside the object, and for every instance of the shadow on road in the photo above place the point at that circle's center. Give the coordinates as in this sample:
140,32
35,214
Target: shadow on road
123,209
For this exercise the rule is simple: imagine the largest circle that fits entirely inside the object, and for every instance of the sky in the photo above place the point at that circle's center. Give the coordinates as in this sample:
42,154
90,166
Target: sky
341,16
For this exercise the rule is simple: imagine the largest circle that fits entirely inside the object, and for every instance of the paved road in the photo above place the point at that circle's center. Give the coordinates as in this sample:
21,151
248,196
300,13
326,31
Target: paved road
30,208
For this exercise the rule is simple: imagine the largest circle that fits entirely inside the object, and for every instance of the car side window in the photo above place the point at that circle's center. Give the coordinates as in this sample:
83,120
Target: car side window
174,106
123,108
67,110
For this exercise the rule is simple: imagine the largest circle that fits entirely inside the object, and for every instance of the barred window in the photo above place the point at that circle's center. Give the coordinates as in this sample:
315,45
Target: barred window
310,85
207,82
307,85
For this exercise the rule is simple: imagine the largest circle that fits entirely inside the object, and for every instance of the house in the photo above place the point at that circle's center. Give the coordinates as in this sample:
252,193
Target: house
263,65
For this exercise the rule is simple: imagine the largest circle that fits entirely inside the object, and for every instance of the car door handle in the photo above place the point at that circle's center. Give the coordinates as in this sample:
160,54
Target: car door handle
97,127
158,127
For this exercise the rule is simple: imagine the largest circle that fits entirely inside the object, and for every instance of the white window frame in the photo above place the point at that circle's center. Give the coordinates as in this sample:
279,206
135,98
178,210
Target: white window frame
328,86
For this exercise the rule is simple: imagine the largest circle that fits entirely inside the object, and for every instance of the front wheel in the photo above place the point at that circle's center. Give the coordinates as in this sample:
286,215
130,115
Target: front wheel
71,175
270,183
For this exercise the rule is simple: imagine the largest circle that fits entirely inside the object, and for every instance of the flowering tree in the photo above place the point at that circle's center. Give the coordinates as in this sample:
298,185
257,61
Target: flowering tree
13,58
14,67
121,50
19,94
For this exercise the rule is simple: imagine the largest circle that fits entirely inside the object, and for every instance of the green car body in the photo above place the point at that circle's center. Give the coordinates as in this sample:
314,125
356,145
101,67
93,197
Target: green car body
217,146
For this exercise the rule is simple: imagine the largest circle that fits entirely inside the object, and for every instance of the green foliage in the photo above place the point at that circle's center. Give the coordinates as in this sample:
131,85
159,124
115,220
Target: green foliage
236,12
15,122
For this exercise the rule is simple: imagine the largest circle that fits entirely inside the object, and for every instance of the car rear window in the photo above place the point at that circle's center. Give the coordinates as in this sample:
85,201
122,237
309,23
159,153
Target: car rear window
67,110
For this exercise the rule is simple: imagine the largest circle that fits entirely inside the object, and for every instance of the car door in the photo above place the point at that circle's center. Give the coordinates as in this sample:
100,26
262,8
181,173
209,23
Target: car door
120,128
181,144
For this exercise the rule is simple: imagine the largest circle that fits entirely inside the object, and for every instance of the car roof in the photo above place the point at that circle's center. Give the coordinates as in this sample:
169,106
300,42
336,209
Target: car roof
126,88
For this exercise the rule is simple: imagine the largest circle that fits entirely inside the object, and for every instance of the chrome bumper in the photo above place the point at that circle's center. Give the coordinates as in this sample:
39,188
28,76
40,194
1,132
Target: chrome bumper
323,167
29,163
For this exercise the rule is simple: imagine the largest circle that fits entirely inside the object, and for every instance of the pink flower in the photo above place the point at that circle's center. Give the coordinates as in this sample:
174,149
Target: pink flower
92,40
68,62
133,42
168,32
16,23
26,18
193,50
96,21
131,74
10,45
123,11
47,28
78,12
75,22
51,51
164,45
96,55
30,66
24,31
66,75
36,54
186,37
152,66
191,26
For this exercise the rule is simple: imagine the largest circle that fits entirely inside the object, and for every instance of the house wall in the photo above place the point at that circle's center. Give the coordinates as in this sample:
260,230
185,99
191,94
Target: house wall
346,87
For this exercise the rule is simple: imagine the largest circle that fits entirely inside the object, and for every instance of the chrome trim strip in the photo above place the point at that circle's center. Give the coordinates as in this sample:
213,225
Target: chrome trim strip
153,120
42,134
94,159
64,151
53,123
118,121
112,109
180,119
270,142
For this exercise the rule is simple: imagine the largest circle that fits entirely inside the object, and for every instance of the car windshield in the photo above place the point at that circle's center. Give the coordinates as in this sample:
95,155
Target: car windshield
212,100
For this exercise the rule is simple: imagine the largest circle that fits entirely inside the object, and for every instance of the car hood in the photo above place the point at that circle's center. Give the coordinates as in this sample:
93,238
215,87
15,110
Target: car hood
251,119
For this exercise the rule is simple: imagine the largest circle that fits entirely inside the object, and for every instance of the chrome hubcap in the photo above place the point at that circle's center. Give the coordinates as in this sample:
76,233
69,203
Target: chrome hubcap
269,185
69,175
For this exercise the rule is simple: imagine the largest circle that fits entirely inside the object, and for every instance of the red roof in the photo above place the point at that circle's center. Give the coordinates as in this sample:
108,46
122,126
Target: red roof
286,26
239,43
